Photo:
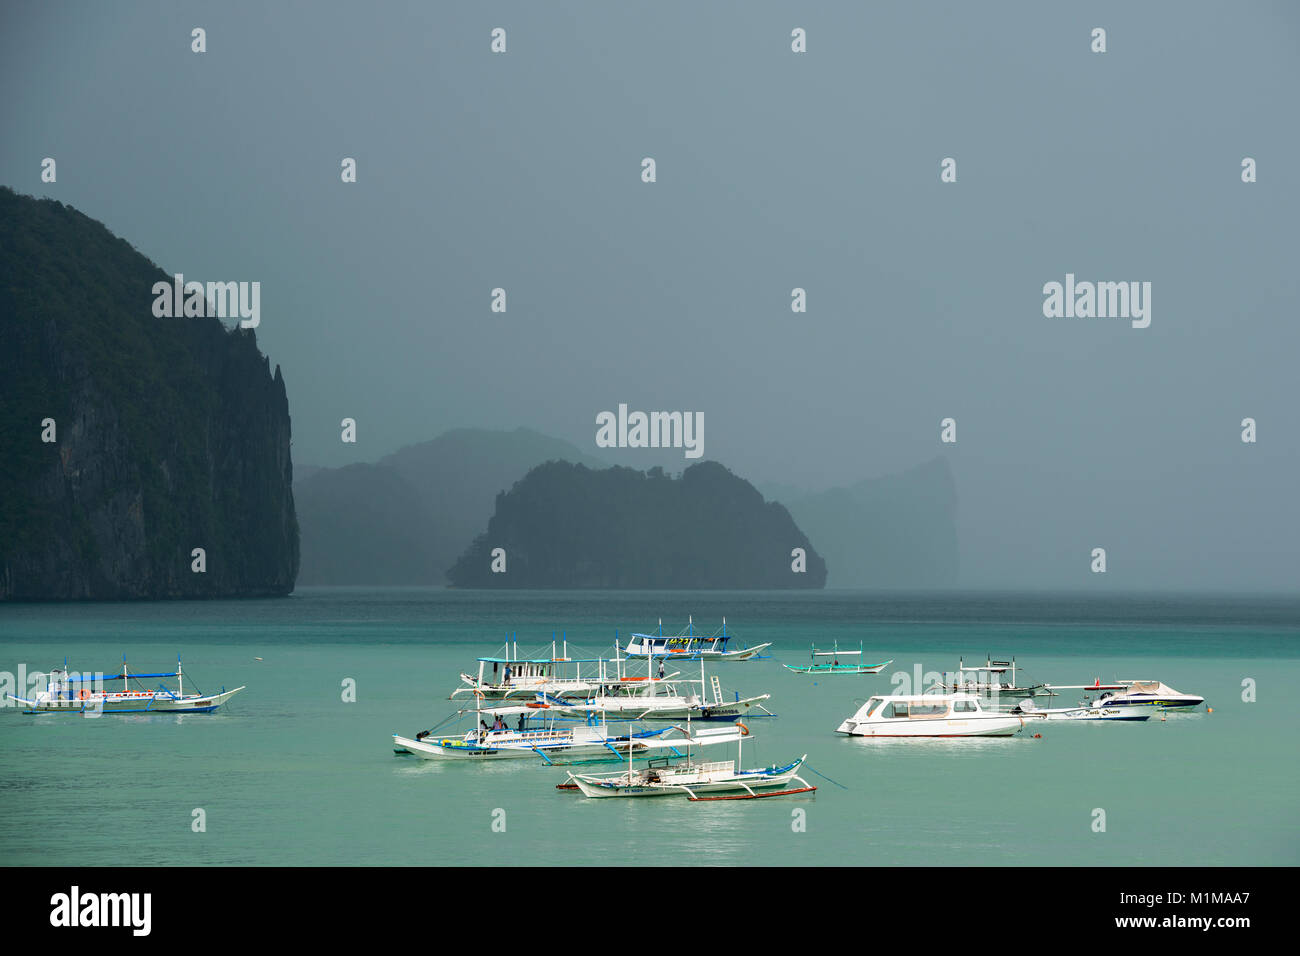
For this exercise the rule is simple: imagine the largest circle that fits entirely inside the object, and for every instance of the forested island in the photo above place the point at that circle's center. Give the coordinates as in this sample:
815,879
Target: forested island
130,441
568,526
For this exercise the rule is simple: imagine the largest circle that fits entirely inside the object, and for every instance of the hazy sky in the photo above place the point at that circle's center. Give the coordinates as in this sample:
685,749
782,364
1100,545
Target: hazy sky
775,170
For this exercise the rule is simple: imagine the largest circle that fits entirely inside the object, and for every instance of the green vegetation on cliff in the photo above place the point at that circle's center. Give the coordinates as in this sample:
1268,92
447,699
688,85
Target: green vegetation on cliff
172,434
568,526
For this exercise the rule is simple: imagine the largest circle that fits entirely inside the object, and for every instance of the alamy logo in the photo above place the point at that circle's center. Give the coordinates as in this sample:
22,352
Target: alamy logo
102,909
651,430
219,300
1101,300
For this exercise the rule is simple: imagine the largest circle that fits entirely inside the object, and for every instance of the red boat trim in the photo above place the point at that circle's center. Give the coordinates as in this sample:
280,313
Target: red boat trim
755,796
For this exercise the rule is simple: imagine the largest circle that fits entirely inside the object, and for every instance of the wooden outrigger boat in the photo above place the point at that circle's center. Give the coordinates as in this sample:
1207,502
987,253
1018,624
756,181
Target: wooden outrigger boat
670,697
834,666
71,693
516,677
541,732
989,681
713,780
691,646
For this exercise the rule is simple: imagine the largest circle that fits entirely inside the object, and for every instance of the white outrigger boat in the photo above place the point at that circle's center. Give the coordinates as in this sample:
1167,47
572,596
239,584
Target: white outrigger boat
989,681
660,778
516,677
929,715
690,646
833,666
658,698
72,693
712,780
540,734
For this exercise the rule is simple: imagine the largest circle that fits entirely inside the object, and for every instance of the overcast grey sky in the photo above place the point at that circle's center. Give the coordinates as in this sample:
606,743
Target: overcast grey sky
775,170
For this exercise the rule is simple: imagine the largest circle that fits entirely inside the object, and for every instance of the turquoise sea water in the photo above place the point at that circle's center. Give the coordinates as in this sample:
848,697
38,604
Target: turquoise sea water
289,773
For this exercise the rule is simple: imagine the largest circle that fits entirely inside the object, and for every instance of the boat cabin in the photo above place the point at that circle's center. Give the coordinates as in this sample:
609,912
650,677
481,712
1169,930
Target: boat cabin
918,707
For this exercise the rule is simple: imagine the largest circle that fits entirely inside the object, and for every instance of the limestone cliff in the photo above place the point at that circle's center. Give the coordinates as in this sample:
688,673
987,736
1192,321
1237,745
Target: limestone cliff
170,434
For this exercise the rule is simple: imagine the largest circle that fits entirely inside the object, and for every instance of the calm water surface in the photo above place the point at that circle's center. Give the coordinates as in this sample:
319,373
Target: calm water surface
290,773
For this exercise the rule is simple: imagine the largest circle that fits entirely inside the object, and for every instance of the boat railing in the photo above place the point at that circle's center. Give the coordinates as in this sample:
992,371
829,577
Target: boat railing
713,765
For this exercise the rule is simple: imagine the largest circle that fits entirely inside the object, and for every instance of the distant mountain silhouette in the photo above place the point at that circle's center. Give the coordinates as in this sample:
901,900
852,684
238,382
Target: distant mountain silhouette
898,531
567,526
427,501
364,524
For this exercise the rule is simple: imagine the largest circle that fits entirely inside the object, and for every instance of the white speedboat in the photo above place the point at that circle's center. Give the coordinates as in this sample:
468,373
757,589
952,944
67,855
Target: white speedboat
690,646
82,693
930,715
1151,694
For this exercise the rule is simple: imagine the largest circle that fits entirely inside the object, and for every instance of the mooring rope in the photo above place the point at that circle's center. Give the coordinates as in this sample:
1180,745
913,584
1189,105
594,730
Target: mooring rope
824,777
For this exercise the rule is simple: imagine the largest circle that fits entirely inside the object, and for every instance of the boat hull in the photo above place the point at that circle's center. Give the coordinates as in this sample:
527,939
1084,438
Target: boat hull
458,748
1091,713
691,783
838,668
128,703
745,654
982,725
727,711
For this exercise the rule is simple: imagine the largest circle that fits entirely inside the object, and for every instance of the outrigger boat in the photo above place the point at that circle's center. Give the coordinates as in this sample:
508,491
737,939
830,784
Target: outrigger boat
657,698
71,693
929,715
690,646
988,681
540,733
515,677
834,666
714,780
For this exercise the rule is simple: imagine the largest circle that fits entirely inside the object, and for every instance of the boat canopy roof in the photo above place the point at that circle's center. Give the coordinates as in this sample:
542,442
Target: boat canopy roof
94,677
540,660
680,638
924,697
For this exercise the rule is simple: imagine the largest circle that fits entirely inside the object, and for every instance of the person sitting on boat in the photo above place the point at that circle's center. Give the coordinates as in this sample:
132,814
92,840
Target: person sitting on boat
422,734
499,724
